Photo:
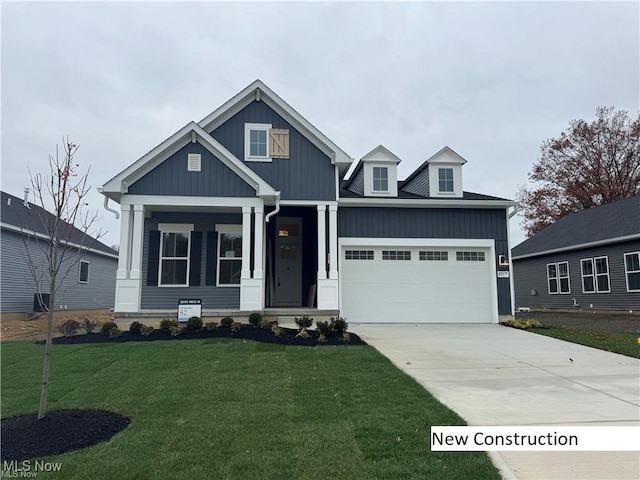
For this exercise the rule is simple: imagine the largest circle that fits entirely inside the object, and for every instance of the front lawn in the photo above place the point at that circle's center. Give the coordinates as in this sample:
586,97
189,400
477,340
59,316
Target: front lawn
234,409
623,343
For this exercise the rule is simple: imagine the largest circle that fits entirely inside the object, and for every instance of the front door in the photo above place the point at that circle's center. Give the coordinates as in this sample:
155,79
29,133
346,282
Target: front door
288,281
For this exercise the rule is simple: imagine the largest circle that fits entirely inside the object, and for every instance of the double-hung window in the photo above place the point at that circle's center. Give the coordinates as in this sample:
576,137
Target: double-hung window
445,180
229,254
632,271
175,243
588,278
602,274
380,179
558,278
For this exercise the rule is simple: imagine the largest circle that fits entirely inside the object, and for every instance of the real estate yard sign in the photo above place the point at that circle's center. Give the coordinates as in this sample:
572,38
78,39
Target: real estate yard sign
189,307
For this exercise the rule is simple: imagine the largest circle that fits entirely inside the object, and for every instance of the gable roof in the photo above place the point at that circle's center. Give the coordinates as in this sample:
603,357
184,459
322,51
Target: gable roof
610,223
443,152
17,217
191,132
380,149
257,90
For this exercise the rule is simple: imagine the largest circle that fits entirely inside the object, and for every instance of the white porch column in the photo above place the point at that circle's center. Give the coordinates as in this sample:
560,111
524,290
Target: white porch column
251,289
125,235
136,242
258,242
333,242
246,243
322,243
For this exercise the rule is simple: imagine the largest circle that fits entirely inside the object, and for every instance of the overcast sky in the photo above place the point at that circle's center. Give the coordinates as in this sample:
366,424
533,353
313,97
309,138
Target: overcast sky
490,80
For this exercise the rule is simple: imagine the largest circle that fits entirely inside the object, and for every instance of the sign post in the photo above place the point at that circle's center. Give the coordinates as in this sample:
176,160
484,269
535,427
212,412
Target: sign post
189,307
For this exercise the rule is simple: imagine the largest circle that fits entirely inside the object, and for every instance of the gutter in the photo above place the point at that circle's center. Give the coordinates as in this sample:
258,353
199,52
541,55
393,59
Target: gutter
271,214
106,205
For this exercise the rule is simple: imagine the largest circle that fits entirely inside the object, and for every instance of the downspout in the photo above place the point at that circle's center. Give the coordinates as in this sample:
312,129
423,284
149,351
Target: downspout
106,206
271,214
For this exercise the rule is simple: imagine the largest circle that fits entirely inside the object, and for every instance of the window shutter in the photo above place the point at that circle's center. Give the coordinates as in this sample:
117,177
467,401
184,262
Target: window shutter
195,259
212,258
279,143
153,258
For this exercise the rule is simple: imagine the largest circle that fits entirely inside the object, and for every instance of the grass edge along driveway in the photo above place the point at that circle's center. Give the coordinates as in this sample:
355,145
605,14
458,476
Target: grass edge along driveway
623,343
232,409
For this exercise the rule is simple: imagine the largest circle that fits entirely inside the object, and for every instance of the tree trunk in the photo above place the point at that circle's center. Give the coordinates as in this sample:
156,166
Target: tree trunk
44,392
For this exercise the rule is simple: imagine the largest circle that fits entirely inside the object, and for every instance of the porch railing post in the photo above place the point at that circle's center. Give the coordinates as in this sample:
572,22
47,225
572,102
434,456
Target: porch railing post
322,243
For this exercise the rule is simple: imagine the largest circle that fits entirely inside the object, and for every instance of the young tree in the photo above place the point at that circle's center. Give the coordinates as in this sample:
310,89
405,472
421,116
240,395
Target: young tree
62,231
590,164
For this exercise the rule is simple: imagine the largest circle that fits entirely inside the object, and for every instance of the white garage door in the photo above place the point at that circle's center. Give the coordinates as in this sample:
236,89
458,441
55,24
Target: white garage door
418,284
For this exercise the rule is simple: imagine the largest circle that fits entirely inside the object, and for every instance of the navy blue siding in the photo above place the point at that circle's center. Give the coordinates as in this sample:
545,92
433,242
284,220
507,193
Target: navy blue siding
18,285
167,297
376,222
419,185
357,184
306,175
531,274
172,178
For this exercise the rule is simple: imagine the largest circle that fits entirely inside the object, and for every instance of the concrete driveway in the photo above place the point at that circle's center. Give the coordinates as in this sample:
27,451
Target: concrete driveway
494,375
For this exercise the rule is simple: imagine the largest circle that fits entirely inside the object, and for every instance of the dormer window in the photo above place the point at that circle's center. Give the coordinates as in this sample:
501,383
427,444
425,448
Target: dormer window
445,180
380,179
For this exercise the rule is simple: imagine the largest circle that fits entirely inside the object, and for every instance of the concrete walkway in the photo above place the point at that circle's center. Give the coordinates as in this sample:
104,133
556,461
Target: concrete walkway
494,375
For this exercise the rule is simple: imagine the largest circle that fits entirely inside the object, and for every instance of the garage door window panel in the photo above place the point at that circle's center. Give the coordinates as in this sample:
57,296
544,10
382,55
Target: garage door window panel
396,255
358,255
470,256
434,256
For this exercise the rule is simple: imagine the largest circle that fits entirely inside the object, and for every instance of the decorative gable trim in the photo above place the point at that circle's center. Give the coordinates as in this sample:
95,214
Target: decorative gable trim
119,184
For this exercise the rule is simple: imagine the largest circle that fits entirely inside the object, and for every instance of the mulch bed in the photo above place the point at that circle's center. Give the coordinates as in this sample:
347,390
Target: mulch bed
60,431
246,332
586,320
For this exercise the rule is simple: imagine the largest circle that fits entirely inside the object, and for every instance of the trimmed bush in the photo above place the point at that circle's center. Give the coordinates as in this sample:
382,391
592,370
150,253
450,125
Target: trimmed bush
114,332
303,322
106,326
175,330
323,329
226,322
167,323
277,331
69,328
339,325
89,325
194,323
135,328
211,326
235,326
255,318
146,330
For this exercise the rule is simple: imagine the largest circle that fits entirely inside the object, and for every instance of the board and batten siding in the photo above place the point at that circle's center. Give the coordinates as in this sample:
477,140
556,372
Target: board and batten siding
155,297
306,175
530,274
171,177
18,285
391,222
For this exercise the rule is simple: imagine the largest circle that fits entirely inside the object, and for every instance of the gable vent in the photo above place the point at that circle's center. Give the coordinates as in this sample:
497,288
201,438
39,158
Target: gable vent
194,162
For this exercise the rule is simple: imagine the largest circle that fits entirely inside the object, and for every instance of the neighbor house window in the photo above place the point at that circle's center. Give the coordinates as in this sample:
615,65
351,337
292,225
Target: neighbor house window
602,274
380,179
84,272
175,242
256,142
588,278
632,271
358,254
229,254
445,180
432,256
558,277
396,255
470,256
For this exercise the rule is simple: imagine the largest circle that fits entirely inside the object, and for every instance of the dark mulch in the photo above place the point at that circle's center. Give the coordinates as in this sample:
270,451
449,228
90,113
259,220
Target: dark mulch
60,431
586,320
246,332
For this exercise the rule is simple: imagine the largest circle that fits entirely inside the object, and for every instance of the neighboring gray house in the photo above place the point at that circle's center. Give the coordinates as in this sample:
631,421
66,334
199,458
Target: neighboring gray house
90,283
250,210
589,259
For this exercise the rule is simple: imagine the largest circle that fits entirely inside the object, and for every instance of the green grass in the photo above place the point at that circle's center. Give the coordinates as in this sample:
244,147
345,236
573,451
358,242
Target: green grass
622,343
231,409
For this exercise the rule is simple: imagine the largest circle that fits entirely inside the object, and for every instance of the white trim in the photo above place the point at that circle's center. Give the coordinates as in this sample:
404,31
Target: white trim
425,203
190,201
434,180
595,272
42,236
125,242
627,272
579,246
557,278
322,242
307,203
229,228
174,228
592,275
137,240
224,229
80,271
262,127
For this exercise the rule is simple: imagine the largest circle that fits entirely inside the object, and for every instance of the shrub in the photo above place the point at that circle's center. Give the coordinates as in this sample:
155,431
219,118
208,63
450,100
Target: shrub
324,329
339,325
175,330
303,322
89,325
235,326
211,326
277,331
69,327
346,337
523,324
135,328
255,318
167,323
146,330
194,323
106,326
226,322
114,332
267,323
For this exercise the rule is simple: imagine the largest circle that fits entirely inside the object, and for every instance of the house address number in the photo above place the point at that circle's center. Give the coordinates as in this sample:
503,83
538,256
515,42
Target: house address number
503,274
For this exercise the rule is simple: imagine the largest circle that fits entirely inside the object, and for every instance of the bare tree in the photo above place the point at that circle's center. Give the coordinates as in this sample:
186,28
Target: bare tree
63,233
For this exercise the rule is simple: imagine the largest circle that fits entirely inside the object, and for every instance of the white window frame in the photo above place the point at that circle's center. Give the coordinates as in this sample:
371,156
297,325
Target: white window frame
557,278
359,255
174,228
248,127
627,272
453,181
380,169
595,272
592,275
80,271
222,229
